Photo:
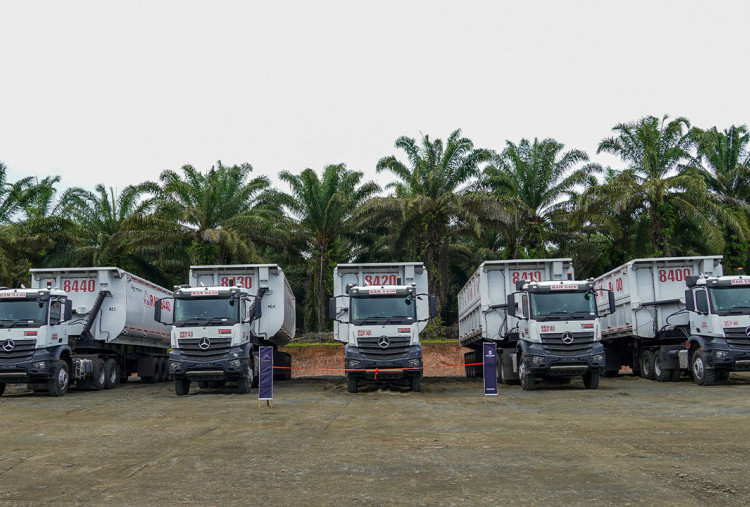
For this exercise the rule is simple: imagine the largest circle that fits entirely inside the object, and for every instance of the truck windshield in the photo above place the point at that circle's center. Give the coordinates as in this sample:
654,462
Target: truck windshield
562,305
206,311
730,300
382,309
23,313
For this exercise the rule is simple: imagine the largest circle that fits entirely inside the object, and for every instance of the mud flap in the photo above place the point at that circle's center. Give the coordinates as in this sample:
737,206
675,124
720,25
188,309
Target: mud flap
508,366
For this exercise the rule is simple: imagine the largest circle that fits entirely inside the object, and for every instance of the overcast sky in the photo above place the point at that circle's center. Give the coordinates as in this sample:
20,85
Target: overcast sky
115,92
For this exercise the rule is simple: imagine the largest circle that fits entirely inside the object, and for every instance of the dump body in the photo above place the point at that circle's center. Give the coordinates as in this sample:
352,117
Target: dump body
379,309
222,318
490,286
126,315
649,294
93,326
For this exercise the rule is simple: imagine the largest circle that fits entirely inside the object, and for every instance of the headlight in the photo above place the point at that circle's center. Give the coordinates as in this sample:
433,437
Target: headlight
174,366
39,365
538,359
412,362
721,354
353,363
234,363
598,358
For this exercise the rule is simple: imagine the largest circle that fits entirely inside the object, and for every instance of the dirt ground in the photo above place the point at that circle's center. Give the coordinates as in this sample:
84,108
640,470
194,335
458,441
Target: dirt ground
632,440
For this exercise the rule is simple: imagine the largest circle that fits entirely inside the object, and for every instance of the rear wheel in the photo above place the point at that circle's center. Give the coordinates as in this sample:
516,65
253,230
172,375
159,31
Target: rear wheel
60,381
99,375
416,383
352,384
181,386
702,374
525,376
468,359
591,379
647,364
662,374
112,373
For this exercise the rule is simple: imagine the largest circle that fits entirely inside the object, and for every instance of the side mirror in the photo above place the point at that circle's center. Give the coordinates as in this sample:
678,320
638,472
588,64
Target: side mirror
512,305
332,308
157,311
257,309
611,299
689,301
433,307
68,312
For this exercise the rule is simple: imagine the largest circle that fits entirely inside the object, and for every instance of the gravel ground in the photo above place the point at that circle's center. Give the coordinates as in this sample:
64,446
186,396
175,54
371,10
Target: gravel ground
632,440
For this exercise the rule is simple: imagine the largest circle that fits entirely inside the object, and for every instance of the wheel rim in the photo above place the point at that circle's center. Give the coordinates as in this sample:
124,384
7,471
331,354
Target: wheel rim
644,364
62,378
113,375
698,368
102,376
657,367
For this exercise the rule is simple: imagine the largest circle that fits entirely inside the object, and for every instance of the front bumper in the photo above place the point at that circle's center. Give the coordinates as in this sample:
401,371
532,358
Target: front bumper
542,363
409,364
36,369
231,367
722,356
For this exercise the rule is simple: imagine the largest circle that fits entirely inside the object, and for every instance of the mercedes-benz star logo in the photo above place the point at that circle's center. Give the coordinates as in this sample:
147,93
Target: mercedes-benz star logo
204,343
383,341
9,345
747,330
567,338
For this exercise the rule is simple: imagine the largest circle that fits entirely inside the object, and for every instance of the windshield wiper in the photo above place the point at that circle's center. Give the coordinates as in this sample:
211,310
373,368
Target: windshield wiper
199,322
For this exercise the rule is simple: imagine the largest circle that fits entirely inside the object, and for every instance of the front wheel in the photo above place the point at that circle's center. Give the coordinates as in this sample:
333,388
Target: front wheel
60,381
352,385
181,386
416,383
591,379
702,373
246,382
525,376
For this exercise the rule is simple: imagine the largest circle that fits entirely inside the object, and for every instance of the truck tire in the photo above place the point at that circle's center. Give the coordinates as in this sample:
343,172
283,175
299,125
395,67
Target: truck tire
2,388
468,359
112,372
591,379
60,382
525,376
647,364
416,383
352,383
163,370
98,376
181,386
702,374
152,379
661,374
246,382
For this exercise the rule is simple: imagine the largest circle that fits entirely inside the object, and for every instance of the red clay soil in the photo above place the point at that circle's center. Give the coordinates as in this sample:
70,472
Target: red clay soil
326,360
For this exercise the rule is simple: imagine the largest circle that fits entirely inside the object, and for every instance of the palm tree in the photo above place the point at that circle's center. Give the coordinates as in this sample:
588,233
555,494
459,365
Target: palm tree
213,216
325,232
657,187
724,162
430,207
532,180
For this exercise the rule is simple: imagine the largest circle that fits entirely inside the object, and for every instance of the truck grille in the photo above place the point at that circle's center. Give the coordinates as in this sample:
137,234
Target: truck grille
398,346
22,350
218,348
553,344
737,338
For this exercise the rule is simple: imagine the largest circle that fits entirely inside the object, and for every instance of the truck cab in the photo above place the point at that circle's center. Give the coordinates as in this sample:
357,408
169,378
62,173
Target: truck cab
33,335
558,331
379,323
719,341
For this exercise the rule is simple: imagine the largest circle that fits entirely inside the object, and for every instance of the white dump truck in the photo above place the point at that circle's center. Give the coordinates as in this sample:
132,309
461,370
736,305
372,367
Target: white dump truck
378,312
677,314
221,318
93,326
545,324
